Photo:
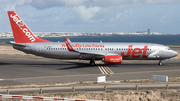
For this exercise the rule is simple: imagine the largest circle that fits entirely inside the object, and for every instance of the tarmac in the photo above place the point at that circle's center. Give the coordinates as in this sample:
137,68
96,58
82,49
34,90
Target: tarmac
17,70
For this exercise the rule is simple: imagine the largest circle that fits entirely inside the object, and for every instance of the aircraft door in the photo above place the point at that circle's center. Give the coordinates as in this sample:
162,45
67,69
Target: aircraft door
38,49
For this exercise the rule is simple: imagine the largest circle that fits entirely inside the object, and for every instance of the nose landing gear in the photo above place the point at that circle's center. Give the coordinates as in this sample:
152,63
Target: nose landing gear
92,63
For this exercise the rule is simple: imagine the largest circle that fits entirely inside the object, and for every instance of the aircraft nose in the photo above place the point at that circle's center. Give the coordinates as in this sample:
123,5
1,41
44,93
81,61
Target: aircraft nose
174,53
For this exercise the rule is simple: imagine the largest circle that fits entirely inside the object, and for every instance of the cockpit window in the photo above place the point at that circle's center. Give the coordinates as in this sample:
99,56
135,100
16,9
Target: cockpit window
169,48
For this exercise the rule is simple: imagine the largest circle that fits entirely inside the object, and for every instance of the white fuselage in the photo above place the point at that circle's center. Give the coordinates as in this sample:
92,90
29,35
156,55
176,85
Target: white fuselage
129,51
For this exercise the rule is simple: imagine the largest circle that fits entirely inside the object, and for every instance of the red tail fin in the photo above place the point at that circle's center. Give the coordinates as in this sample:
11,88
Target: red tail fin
22,34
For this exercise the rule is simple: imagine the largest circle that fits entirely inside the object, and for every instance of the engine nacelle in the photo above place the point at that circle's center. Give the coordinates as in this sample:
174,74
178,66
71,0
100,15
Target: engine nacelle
112,59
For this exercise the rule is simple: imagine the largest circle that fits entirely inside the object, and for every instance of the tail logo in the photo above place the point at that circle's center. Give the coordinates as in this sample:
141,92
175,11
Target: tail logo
24,30
18,22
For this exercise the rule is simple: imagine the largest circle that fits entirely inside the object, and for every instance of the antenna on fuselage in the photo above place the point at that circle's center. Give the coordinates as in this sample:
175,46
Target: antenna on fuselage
100,41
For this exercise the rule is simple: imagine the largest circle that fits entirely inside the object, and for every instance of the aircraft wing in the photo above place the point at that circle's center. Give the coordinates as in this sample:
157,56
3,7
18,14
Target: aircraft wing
70,48
92,53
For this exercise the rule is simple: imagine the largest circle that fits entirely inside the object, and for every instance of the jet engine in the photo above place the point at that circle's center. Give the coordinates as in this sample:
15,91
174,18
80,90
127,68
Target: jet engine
112,59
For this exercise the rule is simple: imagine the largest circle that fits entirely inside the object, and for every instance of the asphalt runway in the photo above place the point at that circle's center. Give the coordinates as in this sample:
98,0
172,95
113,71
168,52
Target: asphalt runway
15,70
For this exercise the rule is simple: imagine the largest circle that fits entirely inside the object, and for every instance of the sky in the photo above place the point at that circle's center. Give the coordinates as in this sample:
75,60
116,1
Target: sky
161,16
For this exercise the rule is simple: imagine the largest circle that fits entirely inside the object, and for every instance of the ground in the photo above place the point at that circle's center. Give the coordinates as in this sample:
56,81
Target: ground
110,95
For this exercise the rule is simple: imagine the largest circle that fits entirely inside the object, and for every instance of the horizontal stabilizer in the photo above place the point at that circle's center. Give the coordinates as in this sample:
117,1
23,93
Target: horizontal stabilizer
16,44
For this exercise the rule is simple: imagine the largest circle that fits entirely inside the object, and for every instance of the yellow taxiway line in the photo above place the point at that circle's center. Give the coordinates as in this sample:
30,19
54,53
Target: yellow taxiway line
104,69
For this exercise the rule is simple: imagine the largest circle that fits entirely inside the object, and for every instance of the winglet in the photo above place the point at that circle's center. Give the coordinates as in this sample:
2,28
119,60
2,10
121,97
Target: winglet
70,48
68,40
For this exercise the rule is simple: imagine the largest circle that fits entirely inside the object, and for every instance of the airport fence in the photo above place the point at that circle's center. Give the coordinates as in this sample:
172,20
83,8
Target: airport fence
126,86
106,88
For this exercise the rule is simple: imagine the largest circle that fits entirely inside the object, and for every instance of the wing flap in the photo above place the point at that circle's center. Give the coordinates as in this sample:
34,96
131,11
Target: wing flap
91,53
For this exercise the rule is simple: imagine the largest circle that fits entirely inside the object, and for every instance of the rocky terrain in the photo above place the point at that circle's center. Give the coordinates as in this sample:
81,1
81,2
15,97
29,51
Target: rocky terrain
120,95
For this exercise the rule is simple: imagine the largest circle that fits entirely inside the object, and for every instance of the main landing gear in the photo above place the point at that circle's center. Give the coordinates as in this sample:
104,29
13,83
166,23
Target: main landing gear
92,63
160,63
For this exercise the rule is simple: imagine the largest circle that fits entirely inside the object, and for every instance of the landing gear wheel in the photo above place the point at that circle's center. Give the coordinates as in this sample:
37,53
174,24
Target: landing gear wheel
160,63
92,63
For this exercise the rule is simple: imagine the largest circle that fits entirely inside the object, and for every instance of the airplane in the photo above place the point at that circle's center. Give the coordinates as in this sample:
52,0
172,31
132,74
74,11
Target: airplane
109,53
